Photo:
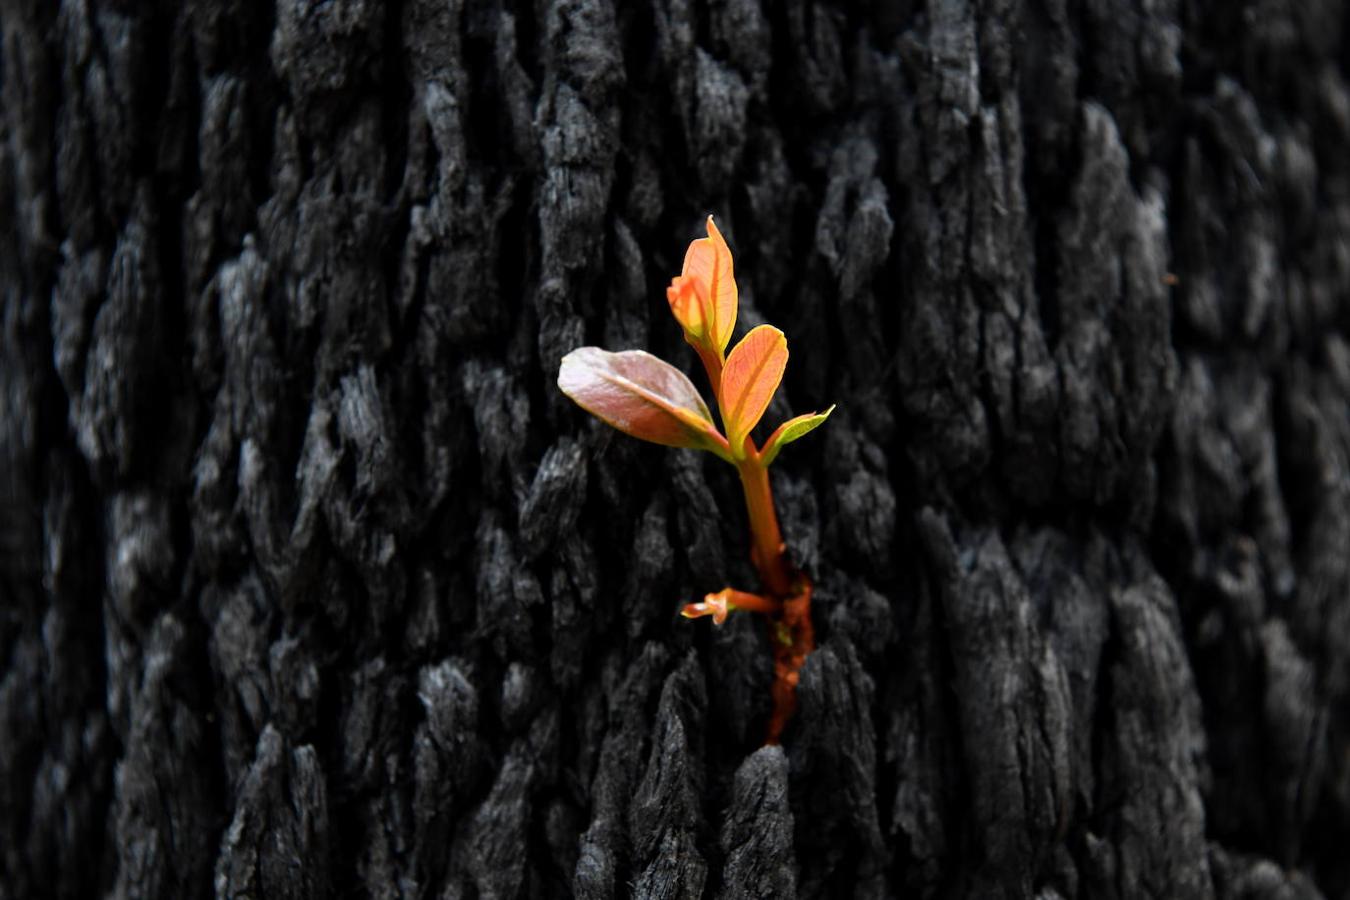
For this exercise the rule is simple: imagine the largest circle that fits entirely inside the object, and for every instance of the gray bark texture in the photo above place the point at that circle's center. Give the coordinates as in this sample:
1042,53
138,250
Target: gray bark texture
312,583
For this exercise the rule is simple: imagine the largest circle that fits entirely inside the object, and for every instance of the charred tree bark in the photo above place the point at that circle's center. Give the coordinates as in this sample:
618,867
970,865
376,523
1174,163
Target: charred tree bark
312,584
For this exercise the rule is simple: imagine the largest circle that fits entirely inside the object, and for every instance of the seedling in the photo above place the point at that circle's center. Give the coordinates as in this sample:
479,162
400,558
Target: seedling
650,399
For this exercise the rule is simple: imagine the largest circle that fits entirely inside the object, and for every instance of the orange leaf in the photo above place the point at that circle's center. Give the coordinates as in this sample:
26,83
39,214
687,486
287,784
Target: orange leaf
752,373
689,304
707,264
718,605
713,605
640,395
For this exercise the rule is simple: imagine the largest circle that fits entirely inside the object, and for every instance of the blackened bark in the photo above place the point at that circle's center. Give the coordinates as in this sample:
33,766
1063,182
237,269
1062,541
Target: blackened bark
312,583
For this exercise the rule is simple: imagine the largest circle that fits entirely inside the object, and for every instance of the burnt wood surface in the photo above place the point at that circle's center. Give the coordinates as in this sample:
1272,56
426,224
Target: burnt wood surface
312,584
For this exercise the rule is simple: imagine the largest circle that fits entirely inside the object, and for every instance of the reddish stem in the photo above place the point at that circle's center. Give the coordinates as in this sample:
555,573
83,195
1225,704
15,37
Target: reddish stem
767,550
790,623
793,640
751,602
712,364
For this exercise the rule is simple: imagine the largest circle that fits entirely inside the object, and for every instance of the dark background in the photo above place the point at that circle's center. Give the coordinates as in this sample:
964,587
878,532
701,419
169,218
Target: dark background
312,584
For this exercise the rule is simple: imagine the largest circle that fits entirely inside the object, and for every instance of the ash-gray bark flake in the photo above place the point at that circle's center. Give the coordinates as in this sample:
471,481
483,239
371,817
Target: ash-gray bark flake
365,505
573,596
1244,877
554,501
447,759
648,583
757,832
832,759
1071,602
365,741
277,844
740,654
1153,759
226,206
578,132
861,494
603,850
496,841
666,816
1296,734
507,590
819,69
500,412
110,419
164,804
696,517
717,135
1014,709
320,49
240,623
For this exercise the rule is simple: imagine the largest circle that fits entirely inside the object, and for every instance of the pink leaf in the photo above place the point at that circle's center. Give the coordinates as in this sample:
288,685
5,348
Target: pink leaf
640,395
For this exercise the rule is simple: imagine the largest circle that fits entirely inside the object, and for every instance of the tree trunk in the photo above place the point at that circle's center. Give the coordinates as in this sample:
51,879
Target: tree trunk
312,583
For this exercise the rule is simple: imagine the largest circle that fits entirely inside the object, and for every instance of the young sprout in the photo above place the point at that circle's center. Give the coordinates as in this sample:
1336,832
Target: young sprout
650,399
